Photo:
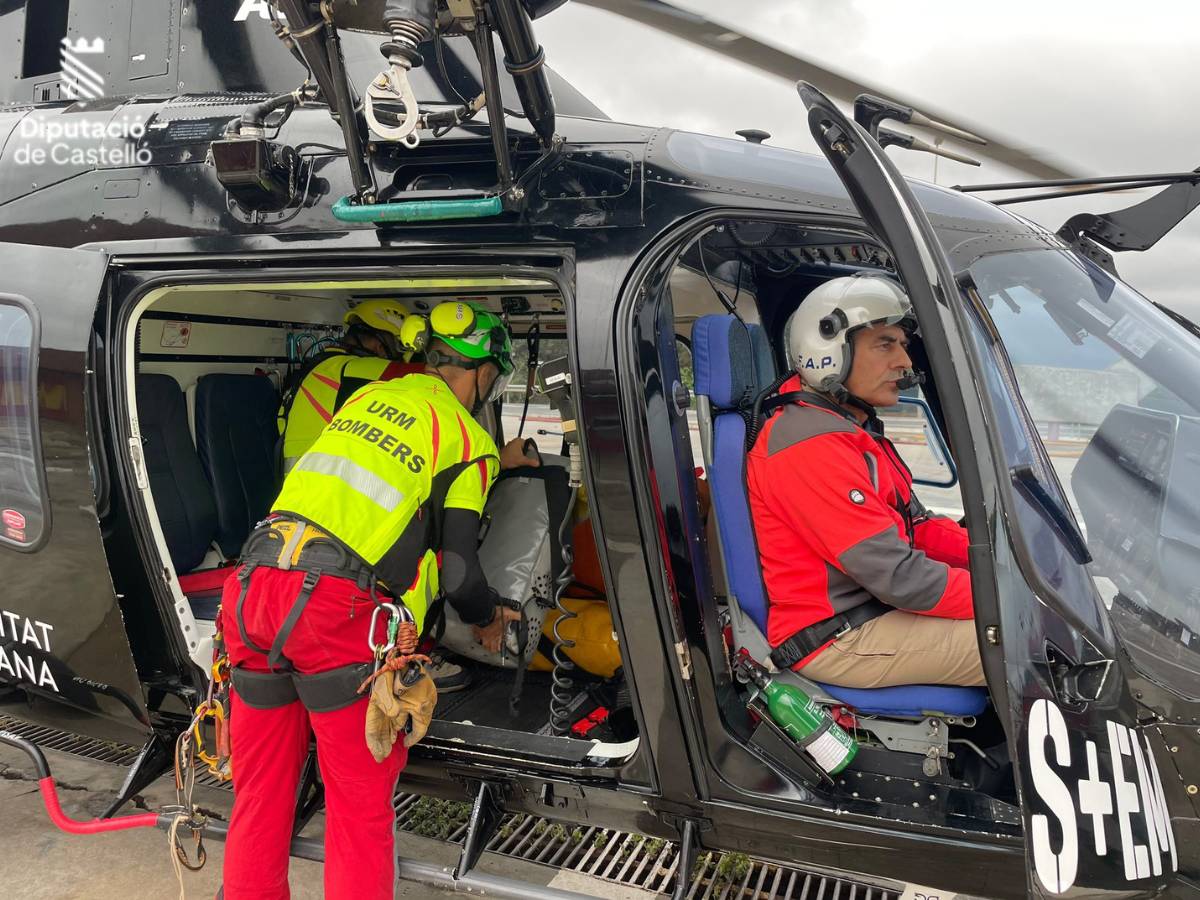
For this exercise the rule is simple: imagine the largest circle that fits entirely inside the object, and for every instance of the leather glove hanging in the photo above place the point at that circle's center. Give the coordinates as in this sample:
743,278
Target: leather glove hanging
395,708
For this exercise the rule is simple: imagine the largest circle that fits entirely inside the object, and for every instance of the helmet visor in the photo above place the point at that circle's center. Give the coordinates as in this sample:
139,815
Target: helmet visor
499,385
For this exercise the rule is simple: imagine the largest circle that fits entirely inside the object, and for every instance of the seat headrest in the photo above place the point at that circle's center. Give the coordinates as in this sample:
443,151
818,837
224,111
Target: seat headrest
724,361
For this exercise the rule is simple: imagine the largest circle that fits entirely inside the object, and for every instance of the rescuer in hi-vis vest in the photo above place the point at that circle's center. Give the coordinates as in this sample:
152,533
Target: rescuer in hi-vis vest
371,349
332,593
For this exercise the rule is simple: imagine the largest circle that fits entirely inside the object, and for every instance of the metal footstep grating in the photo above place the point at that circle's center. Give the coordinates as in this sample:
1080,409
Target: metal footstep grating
65,742
622,857
632,860
109,752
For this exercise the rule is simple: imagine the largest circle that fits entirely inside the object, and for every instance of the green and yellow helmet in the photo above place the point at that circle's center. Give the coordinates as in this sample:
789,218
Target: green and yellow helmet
475,334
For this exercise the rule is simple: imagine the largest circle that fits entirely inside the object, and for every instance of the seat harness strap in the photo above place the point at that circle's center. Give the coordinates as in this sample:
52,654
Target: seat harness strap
514,697
243,576
275,658
809,640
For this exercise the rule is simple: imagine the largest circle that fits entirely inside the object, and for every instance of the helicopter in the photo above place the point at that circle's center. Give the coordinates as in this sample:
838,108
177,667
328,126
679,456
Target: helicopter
191,205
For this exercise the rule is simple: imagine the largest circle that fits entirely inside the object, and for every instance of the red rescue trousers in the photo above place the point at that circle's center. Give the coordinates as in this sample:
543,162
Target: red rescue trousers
270,746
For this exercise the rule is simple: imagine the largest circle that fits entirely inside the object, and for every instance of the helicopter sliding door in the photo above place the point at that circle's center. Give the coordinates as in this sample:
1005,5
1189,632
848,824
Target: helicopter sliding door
65,658
1092,800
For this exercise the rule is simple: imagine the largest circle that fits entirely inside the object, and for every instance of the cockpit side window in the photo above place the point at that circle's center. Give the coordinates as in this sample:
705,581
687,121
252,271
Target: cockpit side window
23,506
1109,384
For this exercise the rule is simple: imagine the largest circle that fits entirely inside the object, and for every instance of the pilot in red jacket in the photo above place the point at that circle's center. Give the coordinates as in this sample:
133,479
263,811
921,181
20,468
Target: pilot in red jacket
866,588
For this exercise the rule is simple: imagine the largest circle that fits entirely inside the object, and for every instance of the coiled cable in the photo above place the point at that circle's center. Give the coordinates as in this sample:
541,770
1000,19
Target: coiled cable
562,685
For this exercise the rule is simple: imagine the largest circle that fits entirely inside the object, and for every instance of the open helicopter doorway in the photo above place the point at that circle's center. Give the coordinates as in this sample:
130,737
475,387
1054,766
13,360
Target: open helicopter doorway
727,290
206,365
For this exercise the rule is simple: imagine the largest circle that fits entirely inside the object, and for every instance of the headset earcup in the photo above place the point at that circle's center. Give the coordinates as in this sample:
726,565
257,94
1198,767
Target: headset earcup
415,333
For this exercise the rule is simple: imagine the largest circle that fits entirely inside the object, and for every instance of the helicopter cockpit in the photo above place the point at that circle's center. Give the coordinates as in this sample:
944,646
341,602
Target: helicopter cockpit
731,291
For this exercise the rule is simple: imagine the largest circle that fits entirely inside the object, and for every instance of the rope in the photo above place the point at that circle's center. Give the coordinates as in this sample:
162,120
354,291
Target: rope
403,653
176,862
185,812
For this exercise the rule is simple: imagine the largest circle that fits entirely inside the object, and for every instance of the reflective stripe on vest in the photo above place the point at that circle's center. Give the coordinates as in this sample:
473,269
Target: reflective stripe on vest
354,476
393,446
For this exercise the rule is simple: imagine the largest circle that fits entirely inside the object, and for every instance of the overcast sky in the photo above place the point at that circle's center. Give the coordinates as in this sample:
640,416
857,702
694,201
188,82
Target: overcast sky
1106,88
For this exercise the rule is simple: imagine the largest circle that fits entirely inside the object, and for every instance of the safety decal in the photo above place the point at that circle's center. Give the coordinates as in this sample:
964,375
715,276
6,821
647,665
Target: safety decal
1134,335
175,334
1102,797
858,497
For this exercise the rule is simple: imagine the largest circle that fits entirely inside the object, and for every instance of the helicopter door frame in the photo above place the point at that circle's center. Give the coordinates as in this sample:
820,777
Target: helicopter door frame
1079,758
63,637
746,799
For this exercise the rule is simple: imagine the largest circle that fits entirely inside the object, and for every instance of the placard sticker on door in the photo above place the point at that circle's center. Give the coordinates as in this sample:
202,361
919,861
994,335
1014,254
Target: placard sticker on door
1134,336
175,334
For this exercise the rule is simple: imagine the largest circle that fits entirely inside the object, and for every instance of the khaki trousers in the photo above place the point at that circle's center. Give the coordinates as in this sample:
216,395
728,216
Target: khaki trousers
901,648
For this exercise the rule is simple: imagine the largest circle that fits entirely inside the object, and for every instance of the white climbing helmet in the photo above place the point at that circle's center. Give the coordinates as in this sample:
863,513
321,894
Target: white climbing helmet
817,336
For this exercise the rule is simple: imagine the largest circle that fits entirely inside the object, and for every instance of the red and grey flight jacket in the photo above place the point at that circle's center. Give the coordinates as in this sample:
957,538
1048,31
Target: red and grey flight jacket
837,523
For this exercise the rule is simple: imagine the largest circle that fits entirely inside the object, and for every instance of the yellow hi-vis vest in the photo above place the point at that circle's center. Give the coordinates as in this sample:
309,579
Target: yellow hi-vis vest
381,475
326,386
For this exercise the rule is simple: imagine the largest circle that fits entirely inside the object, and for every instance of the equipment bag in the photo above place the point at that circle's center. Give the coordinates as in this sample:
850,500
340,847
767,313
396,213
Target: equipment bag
521,557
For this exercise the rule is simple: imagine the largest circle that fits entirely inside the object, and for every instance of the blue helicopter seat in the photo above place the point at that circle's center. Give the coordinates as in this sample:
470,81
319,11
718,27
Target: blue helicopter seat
732,364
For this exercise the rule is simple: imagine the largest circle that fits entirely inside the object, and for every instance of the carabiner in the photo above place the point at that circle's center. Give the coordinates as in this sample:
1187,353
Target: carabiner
380,650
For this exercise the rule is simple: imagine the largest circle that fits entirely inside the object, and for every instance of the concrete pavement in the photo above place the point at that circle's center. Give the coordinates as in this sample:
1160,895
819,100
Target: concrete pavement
39,862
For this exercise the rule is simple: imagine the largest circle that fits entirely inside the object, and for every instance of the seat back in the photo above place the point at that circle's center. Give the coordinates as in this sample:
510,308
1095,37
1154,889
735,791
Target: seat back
182,495
237,441
732,364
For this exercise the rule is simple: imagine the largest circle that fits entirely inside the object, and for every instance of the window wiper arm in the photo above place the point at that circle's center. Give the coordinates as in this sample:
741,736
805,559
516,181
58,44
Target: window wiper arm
1026,480
1179,318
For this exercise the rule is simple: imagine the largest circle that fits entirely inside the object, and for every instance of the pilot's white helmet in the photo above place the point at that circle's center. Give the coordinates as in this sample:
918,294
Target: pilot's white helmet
817,336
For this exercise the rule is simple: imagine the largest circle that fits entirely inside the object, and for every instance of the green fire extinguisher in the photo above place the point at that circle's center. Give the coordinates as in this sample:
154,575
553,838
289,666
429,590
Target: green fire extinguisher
805,722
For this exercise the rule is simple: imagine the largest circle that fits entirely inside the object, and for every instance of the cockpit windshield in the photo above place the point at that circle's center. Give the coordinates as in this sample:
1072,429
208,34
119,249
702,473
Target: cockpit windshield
1112,385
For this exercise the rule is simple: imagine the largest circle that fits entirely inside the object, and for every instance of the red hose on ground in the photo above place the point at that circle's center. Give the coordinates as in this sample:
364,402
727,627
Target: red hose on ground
95,826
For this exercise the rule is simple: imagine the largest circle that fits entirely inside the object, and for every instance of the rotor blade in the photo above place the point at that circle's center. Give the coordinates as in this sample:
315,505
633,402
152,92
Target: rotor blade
740,47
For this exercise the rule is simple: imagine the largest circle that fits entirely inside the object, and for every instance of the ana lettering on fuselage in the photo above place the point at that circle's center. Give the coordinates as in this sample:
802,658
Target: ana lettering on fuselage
24,646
